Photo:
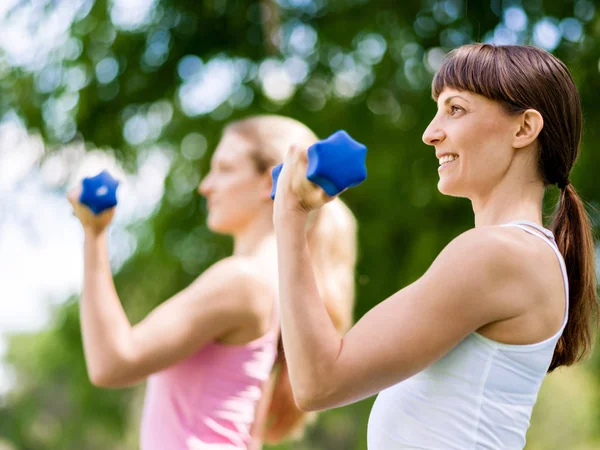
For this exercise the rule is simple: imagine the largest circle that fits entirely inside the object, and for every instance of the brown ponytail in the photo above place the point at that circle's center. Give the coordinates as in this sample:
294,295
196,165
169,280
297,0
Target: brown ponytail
573,232
520,78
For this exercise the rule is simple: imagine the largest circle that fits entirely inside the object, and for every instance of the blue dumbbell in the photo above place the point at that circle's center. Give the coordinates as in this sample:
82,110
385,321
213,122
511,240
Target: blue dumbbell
99,192
334,164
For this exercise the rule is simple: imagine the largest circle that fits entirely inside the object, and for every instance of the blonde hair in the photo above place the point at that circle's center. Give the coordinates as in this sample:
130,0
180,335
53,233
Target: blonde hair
332,244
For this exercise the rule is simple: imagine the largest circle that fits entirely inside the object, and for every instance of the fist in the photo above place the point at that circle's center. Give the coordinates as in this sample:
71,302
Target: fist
298,191
90,221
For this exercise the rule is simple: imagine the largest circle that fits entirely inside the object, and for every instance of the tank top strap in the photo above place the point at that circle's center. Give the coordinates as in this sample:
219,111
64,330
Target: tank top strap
547,236
545,231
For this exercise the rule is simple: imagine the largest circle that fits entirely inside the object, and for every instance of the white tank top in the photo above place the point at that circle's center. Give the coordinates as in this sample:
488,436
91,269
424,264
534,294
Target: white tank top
478,396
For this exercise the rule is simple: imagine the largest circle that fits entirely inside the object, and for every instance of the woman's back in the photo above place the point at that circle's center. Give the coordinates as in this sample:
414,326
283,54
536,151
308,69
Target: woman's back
480,395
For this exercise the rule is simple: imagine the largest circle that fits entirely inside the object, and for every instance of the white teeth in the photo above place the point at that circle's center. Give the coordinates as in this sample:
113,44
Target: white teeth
447,159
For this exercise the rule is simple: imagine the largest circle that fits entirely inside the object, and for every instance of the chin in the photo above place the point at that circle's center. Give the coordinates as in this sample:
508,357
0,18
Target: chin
446,187
216,226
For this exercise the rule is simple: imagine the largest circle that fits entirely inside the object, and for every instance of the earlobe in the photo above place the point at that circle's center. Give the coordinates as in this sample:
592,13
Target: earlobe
531,123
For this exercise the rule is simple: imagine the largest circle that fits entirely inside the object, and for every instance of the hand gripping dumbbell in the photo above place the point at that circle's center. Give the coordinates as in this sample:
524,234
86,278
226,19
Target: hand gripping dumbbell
334,164
99,193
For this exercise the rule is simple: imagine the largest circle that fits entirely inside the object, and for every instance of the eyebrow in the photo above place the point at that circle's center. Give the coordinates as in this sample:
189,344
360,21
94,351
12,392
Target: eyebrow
454,96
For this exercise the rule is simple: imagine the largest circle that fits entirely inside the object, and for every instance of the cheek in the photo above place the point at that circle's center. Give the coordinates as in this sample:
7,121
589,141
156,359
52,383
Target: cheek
247,191
490,165
241,197
489,146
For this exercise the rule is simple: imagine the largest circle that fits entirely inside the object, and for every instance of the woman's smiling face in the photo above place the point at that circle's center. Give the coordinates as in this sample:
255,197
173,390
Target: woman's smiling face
473,137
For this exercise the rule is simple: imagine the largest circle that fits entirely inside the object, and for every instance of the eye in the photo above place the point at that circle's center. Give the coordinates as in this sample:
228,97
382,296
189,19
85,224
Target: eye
223,167
455,109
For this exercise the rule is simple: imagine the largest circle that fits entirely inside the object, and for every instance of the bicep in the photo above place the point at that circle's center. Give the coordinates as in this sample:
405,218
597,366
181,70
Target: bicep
397,339
209,308
418,325
179,327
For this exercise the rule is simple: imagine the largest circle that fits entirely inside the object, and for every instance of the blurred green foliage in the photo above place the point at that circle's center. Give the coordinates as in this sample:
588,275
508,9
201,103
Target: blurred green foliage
129,83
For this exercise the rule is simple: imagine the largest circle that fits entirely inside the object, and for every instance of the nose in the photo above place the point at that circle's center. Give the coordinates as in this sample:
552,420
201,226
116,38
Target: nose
433,134
205,187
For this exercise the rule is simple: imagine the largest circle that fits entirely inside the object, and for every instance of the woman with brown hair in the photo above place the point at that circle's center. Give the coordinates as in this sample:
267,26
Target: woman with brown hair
458,356
208,352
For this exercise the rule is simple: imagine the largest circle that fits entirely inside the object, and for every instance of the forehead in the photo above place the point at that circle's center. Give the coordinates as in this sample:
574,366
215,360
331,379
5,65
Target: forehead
449,93
231,147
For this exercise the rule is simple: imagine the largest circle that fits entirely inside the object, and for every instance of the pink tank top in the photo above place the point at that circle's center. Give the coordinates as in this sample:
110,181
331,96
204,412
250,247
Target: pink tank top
208,401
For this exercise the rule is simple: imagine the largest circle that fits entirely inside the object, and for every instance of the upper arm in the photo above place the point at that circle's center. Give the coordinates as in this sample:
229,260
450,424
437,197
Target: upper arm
462,290
222,299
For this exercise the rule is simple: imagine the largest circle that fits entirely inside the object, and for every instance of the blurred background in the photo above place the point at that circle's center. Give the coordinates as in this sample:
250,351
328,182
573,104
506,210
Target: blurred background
144,87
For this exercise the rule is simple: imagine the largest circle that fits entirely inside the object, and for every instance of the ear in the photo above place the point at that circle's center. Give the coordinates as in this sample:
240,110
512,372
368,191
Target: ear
530,124
266,184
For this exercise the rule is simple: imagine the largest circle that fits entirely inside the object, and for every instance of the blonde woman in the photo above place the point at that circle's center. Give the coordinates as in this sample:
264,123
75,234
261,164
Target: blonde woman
216,376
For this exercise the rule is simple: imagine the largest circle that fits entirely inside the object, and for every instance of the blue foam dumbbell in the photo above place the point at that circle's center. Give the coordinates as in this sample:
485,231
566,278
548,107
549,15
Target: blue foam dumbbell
99,193
334,164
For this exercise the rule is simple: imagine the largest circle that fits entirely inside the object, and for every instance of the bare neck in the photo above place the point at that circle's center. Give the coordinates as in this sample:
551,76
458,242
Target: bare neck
256,237
510,201
519,195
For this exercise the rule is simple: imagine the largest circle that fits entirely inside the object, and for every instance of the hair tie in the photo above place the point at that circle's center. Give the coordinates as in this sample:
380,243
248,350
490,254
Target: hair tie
563,184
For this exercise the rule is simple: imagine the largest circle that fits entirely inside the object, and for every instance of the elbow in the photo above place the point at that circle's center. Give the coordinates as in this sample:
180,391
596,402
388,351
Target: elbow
315,391
107,377
312,400
108,381
100,379
310,405
306,405
112,369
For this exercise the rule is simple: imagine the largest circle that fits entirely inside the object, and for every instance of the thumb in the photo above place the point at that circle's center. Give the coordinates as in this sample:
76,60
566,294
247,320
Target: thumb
73,195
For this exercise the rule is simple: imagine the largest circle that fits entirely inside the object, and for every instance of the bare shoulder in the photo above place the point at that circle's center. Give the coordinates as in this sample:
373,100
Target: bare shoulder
237,281
492,267
507,248
486,250
234,268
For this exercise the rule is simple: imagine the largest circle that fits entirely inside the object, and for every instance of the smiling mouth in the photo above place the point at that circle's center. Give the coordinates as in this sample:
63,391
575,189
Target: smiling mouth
447,159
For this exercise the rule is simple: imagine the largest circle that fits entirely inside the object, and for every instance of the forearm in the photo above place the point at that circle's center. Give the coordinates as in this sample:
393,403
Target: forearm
310,339
105,327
